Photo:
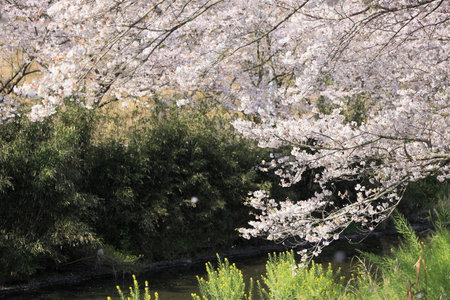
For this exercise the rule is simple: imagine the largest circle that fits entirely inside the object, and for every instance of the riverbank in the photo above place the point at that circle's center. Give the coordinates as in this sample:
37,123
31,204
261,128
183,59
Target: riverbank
72,278
75,278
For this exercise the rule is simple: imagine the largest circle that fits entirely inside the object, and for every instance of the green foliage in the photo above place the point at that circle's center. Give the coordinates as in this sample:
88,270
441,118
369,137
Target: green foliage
18,256
422,196
354,109
226,282
145,183
67,186
42,207
285,280
415,268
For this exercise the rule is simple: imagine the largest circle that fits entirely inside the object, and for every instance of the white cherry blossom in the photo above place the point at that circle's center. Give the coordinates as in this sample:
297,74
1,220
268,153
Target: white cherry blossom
297,67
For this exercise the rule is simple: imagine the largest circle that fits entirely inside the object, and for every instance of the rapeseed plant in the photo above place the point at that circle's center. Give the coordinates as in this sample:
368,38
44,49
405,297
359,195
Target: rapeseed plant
135,292
225,282
414,270
285,280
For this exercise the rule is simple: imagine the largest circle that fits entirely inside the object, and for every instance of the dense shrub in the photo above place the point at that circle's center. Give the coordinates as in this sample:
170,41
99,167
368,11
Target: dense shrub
146,184
67,187
43,208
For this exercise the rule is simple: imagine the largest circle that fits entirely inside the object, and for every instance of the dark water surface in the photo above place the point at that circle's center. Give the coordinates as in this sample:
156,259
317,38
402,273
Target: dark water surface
178,284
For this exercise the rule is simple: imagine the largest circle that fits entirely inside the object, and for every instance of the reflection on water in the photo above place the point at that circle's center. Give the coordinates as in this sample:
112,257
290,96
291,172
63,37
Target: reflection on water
178,284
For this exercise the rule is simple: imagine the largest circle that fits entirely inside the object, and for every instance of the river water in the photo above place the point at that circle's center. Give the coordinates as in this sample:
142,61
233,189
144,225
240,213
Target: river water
179,283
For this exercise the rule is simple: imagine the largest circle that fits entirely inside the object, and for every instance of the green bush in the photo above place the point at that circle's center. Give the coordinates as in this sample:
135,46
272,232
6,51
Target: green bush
68,186
145,185
43,209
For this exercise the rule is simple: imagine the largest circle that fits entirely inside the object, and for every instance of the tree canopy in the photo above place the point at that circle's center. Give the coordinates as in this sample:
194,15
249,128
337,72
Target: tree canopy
299,67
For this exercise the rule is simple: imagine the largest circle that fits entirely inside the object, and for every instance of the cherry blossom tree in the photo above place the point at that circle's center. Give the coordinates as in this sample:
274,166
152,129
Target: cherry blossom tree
397,54
296,66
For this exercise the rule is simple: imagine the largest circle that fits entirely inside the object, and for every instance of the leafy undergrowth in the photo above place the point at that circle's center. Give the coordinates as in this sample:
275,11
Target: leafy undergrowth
414,270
